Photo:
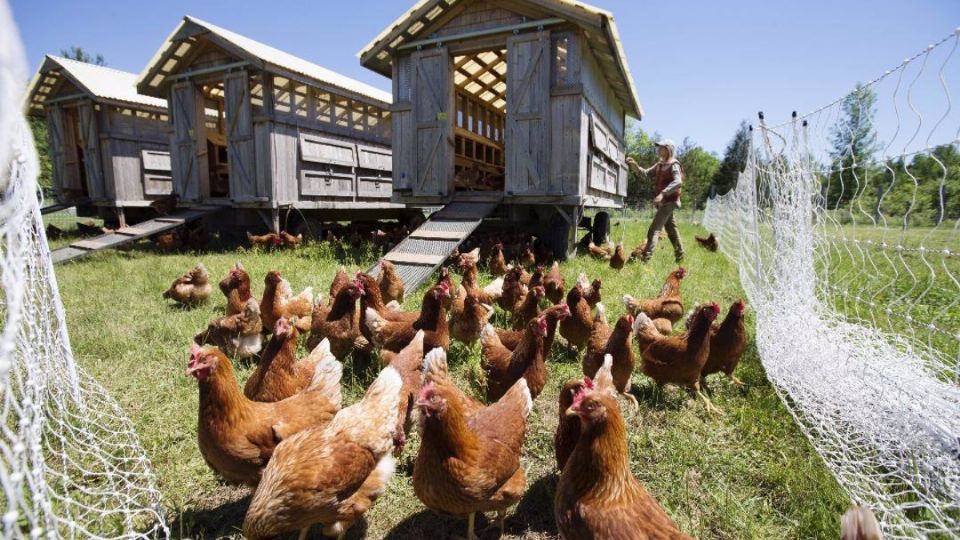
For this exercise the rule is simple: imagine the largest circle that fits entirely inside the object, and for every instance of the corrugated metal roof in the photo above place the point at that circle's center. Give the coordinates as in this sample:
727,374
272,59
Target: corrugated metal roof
275,57
99,81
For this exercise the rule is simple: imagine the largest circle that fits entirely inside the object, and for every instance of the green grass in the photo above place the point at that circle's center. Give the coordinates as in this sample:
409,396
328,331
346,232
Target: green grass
748,474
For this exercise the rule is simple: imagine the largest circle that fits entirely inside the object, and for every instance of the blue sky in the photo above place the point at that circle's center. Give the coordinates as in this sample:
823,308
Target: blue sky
699,66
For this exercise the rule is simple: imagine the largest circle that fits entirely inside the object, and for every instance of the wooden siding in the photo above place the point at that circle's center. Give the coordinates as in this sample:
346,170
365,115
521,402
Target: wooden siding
479,16
527,139
600,95
433,110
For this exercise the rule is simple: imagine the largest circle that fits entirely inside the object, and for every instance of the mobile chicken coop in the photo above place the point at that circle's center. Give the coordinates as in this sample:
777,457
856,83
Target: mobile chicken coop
108,144
517,104
255,127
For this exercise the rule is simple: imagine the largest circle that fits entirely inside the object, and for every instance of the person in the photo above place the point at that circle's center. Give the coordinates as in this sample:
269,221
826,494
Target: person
669,182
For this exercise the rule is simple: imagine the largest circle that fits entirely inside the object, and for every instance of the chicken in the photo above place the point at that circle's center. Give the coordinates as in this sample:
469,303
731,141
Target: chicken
466,325
619,257
236,435
498,264
408,363
340,280
597,495
614,342
529,308
554,314
554,284
289,240
727,343
469,457
191,288
527,258
536,278
568,427
236,287
277,302
591,290
667,305
169,241
240,335
339,323
503,366
371,299
678,359
513,291
165,205
265,241
391,286
709,243
330,475
279,375
488,295
599,252
859,523
395,335
577,327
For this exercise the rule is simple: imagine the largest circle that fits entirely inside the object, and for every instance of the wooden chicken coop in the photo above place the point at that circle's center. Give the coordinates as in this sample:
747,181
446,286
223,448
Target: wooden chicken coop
518,103
254,127
108,144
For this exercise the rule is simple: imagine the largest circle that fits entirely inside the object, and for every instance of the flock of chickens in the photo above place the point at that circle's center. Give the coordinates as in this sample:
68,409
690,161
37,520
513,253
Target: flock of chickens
313,461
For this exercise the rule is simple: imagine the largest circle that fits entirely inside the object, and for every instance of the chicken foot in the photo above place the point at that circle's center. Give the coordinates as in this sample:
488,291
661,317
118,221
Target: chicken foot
708,404
733,378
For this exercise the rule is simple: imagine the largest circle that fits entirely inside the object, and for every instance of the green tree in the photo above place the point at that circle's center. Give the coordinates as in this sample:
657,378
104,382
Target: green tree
699,168
640,147
39,129
854,145
80,55
734,161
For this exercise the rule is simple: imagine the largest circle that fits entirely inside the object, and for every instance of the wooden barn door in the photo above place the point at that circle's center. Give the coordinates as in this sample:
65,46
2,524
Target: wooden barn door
90,142
527,137
241,156
188,148
432,95
56,134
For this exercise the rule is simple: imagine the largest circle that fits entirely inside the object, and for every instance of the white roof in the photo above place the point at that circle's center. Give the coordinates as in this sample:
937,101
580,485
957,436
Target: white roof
99,82
269,55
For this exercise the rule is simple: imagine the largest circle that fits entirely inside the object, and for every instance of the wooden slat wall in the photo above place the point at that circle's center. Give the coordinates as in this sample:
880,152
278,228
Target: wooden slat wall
600,95
479,16
124,138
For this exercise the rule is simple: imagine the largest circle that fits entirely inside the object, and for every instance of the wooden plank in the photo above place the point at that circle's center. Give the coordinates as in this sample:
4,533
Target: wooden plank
415,258
437,235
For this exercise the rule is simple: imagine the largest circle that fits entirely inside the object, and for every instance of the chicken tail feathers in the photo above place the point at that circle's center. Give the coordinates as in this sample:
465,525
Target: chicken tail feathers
435,365
393,306
495,288
372,421
375,323
327,374
603,378
519,393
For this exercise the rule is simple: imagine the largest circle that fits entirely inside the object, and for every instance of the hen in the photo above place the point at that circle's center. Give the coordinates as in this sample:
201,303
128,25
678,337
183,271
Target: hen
466,325
597,495
279,375
340,280
391,286
469,457
678,359
554,314
236,287
513,291
859,523
527,258
265,241
619,257
529,308
599,252
330,474
289,240
240,335
667,308
432,319
339,323
408,363
191,288
489,294
498,264
237,436
613,342
554,284
591,290
577,327
727,343
503,366
709,243
278,302
568,427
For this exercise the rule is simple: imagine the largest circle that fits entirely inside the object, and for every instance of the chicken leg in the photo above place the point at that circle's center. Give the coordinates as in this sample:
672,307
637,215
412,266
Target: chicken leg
733,378
626,393
707,403
303,533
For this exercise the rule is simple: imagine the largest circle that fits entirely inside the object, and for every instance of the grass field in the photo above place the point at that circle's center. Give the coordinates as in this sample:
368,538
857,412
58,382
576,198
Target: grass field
748,474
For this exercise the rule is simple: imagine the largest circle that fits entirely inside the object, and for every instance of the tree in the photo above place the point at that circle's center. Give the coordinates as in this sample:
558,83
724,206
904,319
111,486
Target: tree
640,147
80,55
38,127
699,168
734,161
854,144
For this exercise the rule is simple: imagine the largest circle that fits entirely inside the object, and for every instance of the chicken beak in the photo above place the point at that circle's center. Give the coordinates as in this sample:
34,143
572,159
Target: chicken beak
571,411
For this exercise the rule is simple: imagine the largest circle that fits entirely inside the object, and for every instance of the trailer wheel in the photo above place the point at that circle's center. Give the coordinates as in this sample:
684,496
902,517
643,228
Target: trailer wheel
557,237
601,228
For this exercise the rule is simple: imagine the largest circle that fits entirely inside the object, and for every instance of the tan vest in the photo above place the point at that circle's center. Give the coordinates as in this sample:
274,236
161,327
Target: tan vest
664,175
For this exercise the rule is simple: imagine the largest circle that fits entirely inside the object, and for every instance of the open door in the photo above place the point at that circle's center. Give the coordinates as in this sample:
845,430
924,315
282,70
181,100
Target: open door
188,150
90,142
433,122
57,134
241,157
527,137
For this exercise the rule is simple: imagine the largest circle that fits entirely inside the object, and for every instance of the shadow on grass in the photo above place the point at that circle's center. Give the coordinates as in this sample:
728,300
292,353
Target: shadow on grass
219,522
535,511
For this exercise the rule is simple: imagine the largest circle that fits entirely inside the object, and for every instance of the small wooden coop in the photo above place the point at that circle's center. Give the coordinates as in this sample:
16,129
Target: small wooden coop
255,127
523,102
108,144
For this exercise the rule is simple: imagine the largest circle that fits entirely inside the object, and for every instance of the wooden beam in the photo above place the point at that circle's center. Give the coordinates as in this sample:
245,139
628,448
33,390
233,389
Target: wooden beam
542,23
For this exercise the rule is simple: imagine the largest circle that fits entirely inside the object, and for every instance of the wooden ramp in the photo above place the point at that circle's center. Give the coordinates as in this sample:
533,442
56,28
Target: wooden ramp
421,253
59,207
126,235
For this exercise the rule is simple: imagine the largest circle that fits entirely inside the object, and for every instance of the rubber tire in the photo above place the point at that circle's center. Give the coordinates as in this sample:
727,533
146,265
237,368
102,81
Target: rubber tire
601,228
556,237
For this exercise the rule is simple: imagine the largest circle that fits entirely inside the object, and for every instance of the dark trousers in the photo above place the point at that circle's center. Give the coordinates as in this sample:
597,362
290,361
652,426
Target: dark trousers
664,219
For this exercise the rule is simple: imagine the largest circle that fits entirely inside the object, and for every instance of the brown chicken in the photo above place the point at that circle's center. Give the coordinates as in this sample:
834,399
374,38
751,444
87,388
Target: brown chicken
409,363
169,241
859,523
615,342
236,287
667,305
487,295
619,257
371,299
265,241
278,302
568,427
577,327
513,291
597,495
240,335
192,288
339,323
709,243
469,457
289,240
599,252
554,284
591,290
678,359
554,314
529,308
727,343
165,205
391,286
466,325
527,258
498,264
432,319
279,375
503,366
236,435
536,278
340,280
331,474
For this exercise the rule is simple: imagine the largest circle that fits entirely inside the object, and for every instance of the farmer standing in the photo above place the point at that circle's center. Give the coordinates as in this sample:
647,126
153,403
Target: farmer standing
669,177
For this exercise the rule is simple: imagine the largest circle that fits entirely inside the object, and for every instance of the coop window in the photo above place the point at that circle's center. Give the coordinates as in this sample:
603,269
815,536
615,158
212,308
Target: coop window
357,114
300,100
342,112
256,93
386,124
562,55
324,108
282,96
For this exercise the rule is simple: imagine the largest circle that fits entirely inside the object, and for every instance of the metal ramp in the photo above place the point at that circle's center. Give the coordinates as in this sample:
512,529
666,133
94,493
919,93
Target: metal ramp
126,235
421,253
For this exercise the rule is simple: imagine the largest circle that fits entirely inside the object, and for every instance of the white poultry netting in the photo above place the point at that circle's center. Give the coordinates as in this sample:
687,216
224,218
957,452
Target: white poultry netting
846,236
71,465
